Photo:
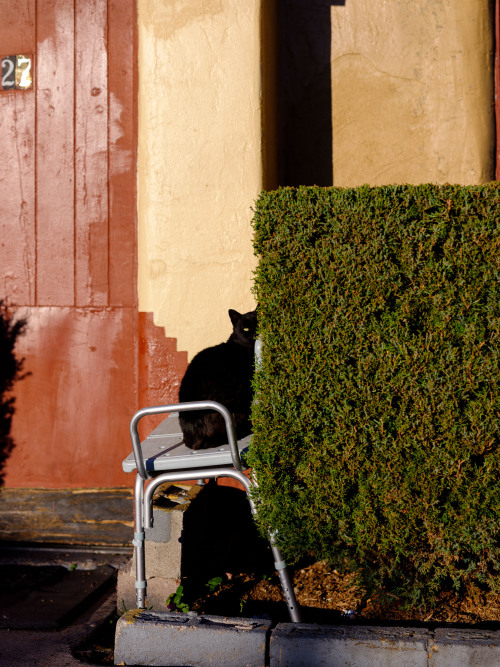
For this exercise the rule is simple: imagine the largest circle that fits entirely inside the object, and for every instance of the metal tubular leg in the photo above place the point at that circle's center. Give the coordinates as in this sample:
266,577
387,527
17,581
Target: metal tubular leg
138,542
281,568
286,584
211,473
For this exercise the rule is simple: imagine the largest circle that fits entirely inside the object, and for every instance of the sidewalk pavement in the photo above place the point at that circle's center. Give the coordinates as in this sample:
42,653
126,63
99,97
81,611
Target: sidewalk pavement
44,648
52,600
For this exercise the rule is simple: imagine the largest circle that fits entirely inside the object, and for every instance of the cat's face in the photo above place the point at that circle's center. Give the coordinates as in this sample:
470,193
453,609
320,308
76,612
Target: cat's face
244,327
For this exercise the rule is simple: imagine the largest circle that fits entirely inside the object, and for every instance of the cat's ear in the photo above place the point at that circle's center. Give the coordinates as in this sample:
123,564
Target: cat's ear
234,315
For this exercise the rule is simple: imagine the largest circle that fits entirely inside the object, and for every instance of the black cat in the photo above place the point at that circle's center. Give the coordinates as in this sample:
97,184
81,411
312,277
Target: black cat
222,373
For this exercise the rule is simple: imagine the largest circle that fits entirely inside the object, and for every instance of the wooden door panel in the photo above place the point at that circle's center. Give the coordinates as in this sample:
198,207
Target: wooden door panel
68,244
73,410
17,194
91,154
55,181
18,27
122,86
17,203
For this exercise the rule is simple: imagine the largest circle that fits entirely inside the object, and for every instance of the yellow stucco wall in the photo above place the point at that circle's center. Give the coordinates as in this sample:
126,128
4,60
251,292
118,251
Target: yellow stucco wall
412,101
199,163
412,87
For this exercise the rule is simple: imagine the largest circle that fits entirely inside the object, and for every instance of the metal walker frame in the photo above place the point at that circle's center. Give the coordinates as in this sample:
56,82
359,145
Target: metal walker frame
149,478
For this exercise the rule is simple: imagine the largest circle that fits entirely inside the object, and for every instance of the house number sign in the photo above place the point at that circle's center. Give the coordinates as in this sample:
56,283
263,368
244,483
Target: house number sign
16,73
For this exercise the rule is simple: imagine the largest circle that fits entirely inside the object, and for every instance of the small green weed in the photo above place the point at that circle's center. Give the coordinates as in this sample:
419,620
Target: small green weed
175,603
214,583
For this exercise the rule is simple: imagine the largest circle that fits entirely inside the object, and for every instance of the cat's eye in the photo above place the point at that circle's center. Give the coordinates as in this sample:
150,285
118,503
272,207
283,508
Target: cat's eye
246,329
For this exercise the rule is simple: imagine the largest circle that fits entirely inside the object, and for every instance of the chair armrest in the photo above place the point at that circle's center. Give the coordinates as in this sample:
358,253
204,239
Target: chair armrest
182,407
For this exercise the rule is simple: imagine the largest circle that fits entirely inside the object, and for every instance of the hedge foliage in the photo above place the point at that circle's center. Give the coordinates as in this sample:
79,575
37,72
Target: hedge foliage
376,425
10,371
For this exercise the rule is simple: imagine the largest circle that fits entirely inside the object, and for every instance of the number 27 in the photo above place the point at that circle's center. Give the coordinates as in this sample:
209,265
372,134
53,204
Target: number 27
16,73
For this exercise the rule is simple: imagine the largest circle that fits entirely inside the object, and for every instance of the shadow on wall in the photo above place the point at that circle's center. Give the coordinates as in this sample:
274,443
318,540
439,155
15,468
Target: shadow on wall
304,88
10,371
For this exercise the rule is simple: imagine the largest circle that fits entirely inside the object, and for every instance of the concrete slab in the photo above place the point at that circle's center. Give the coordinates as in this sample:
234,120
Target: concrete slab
468,648
55,648
48,597
166,638
310,645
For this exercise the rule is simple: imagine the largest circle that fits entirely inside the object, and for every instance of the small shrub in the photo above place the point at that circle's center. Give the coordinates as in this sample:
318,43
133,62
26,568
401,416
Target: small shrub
10,371
376,425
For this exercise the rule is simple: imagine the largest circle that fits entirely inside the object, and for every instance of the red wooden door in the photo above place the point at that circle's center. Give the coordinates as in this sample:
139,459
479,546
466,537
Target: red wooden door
68,238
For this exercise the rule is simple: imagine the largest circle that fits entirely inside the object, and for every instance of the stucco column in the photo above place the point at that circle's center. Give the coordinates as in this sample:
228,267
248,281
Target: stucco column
199,164
412,91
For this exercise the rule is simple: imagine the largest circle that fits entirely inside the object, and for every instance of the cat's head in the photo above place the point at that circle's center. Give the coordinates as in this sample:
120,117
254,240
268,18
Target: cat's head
244,327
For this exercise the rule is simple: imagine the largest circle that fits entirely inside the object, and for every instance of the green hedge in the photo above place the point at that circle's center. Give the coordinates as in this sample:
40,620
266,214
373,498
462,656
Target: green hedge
376,427
10,371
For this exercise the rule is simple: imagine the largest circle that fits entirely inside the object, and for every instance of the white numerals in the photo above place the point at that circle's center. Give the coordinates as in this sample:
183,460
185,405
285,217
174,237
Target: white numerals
16,73
8,71
24,66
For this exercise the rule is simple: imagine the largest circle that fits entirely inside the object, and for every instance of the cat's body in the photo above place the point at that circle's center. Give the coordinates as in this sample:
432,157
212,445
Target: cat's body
222,373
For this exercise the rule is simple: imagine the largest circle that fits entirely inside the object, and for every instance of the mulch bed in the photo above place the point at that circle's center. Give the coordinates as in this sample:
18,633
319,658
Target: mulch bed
327,596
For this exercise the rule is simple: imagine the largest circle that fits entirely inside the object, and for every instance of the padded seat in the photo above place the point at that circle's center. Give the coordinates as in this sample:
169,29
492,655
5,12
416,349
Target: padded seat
164,449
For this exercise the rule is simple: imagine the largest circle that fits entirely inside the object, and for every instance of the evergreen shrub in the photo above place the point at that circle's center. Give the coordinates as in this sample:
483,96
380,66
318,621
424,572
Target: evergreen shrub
10,371
376,424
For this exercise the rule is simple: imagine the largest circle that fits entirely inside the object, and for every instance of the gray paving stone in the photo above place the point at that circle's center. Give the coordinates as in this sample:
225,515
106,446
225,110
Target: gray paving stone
48,597
308,645
167,638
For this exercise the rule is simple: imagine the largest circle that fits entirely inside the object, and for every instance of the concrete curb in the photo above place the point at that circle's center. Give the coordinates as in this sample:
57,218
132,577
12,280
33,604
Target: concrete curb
308,644
170,638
